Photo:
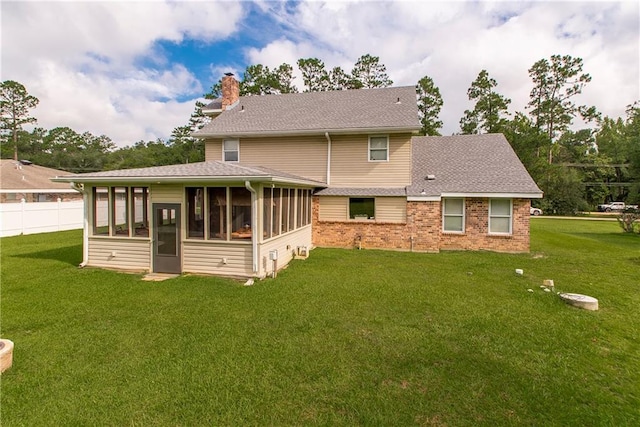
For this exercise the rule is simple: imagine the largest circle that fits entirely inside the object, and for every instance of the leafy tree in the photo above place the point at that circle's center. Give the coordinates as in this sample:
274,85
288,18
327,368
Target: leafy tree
551,106
260,80
369,73
339,80
282,78
66,149
613,146
489,108
314,75
632,133
429,106
15,104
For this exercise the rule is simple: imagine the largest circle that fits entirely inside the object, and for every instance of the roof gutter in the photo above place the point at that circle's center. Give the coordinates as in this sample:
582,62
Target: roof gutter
182,179
254,225
345,131
326,134
85,223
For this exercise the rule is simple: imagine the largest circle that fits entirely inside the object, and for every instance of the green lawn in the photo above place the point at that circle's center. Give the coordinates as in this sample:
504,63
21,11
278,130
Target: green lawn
345,337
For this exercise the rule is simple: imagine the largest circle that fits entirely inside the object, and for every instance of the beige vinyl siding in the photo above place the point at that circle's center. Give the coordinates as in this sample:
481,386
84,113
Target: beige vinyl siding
388,209
299,237
350,165
305,156
207,258
125,254
166,193
391,209
213,149
334,208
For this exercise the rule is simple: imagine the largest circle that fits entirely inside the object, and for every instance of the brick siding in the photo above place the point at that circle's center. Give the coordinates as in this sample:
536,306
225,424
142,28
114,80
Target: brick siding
422,231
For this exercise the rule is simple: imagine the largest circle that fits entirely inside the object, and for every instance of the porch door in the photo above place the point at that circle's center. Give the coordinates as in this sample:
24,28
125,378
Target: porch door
166,238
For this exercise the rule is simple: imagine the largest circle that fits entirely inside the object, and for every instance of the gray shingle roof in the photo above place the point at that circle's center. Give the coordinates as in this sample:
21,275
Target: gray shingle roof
314,112
201,170
468,164
363,192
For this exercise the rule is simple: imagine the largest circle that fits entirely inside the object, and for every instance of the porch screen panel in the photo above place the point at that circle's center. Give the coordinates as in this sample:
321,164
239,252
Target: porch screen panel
285,210
292,209
100,211
240,214
120,197
267,211
140,211
195,212
218,213
276,217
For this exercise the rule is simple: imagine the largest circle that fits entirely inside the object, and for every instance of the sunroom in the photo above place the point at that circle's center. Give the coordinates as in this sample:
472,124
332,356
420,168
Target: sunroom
208,218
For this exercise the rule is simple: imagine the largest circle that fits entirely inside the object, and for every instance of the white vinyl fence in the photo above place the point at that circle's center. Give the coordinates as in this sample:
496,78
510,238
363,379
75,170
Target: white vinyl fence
42,217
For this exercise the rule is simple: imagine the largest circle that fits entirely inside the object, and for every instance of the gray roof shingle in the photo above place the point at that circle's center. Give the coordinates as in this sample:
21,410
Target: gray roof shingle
16,176
200,170
468,164
363,192
383,109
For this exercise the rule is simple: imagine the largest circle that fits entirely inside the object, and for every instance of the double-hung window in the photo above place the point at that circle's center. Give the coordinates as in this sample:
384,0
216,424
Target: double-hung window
378,148
231,150
500,216
453,215
362,208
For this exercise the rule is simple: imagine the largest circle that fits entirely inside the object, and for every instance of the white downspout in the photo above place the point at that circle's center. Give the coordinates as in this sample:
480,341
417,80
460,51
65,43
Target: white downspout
254,225
85,226
326,134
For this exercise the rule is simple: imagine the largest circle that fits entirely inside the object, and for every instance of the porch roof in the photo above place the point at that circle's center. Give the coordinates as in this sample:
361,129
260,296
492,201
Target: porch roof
201,172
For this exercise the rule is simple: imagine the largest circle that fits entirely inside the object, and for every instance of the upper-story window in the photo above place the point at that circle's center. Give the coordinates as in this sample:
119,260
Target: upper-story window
378,148
231,150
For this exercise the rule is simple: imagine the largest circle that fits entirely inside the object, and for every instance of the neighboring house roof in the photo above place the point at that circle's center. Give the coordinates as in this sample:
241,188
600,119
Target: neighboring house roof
392,109
214,106
191,172
468,165
18,177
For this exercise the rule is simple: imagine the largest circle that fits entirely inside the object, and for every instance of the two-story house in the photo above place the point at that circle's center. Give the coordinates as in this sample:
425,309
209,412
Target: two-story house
286,173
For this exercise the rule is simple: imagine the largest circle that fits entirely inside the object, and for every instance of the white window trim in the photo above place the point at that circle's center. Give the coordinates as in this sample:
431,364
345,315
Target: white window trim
230,151
369,150
444,214
493,233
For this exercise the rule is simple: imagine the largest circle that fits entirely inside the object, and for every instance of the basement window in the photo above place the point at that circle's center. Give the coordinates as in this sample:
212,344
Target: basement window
362,208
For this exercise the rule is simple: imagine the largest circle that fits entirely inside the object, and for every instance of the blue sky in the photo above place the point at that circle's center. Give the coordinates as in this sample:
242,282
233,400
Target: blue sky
133,70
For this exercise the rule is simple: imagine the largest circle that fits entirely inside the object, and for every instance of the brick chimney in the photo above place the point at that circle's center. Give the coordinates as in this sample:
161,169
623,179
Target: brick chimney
230,90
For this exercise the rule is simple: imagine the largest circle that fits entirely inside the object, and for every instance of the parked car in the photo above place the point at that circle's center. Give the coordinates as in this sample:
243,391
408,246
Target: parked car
615,206
535,211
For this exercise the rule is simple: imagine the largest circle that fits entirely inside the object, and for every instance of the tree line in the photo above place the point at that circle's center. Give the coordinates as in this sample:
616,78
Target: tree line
576,169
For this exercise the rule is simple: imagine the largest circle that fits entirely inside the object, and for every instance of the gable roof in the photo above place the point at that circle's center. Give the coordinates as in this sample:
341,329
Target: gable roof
208,171
15,176
466,165
392,109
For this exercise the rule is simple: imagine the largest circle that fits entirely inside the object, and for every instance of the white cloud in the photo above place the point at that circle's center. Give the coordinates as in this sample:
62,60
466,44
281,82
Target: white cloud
85,61
97,66
453,41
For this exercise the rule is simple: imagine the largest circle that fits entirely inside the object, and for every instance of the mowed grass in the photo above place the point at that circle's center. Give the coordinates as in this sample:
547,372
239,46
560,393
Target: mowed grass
345,337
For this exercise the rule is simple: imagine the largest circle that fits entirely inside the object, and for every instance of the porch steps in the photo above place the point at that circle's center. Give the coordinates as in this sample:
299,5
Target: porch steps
158,277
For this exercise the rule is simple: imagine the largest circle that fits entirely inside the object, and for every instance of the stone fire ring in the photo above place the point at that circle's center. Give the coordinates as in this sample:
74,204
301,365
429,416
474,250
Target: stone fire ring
581,301
6,354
